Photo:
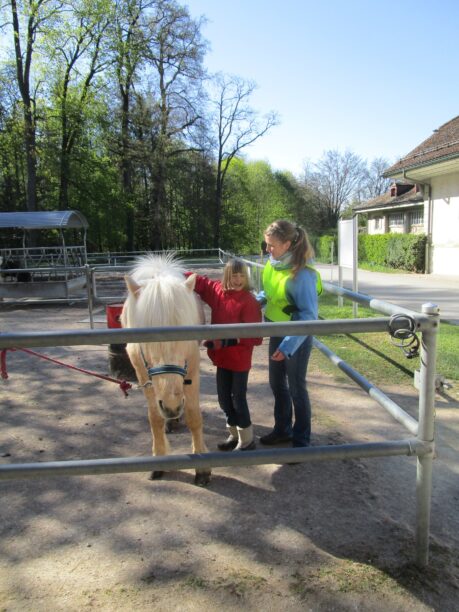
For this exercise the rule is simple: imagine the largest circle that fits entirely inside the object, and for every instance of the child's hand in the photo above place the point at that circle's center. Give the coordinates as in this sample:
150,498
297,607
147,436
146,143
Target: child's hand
219,344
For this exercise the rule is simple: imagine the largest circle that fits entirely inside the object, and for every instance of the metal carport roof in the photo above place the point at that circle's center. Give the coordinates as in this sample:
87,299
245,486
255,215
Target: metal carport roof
49,219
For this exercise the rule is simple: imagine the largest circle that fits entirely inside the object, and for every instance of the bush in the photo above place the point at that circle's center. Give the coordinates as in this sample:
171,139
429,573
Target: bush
399,251
322,247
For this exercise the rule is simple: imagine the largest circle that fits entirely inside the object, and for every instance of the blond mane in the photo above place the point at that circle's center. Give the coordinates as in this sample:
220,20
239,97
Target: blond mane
162,301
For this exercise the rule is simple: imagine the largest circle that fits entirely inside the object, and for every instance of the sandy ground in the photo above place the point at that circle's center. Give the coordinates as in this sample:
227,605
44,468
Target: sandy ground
317,536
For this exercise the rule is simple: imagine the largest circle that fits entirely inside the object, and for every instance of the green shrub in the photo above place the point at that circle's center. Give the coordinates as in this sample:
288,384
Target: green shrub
322,247
399,251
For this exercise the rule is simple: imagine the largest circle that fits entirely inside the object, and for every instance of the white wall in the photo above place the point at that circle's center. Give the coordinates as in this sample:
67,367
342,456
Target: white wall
445,224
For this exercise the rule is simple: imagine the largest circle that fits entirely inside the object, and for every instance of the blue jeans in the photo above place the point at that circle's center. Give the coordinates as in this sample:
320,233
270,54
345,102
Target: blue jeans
232,397
287,379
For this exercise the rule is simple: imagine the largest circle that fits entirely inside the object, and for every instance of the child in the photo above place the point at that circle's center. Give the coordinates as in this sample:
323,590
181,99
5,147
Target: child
230,301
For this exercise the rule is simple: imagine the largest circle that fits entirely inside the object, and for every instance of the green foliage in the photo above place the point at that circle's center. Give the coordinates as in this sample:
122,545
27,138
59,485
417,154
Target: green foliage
253,198
323,248
399,251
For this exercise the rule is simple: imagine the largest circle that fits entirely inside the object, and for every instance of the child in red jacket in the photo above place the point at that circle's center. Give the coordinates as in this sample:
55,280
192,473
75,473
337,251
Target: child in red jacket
231,301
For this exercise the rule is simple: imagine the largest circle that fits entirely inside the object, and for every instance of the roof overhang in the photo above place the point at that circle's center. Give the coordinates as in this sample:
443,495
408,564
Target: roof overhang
387,207
426,171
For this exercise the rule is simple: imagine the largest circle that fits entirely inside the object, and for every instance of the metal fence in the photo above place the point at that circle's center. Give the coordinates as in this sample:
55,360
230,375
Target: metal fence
419,443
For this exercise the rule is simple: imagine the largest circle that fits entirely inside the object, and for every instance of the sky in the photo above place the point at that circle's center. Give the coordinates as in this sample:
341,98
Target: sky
375,77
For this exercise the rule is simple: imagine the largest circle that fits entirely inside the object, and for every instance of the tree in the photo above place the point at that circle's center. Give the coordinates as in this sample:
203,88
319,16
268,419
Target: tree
175,50
336,178
28,21
79,54
129,51
374,183
237,126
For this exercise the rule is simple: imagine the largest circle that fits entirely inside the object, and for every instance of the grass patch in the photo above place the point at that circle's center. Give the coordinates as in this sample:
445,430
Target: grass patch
344,577
374,355
237,583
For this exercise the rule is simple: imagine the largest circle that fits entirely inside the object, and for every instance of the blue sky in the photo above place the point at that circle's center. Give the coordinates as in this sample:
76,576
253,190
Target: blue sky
375,77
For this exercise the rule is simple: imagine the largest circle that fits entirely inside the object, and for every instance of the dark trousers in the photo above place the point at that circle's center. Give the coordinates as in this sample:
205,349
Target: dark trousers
287,379
232,397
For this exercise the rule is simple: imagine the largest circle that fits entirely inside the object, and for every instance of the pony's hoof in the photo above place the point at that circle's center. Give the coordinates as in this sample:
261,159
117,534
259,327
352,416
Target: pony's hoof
202,479
156,475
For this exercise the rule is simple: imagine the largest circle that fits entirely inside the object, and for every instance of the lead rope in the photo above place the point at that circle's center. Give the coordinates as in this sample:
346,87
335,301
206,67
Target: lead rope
123,384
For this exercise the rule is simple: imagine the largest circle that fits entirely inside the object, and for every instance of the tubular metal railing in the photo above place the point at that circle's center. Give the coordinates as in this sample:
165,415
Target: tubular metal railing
419,444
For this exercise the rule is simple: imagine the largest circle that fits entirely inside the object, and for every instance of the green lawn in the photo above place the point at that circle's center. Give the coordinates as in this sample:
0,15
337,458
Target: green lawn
374,355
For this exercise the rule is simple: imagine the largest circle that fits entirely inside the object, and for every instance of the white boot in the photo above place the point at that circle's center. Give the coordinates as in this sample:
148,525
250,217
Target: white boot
246,441
231,441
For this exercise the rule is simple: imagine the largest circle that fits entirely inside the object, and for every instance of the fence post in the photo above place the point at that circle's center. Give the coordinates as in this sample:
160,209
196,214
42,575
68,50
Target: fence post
426,434
89,291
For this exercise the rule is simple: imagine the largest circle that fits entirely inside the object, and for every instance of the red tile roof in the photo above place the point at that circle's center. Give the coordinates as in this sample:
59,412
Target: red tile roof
443,144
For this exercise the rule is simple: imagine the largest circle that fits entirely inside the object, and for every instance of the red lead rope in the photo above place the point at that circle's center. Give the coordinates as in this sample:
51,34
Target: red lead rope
124,386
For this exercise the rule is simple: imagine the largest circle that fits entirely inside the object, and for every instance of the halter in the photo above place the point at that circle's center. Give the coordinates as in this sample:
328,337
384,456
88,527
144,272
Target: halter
165,368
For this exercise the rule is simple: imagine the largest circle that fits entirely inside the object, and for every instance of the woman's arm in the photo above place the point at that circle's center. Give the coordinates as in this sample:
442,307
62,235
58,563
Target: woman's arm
303,293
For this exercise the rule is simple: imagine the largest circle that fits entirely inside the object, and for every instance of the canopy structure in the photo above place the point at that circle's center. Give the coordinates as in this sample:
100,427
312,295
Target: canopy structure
49,219
63,263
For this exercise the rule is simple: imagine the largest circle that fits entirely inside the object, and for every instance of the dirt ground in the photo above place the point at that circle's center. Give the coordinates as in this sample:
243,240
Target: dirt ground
323,536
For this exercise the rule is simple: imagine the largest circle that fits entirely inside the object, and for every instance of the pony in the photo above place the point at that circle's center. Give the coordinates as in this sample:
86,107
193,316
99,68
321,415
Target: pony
159,296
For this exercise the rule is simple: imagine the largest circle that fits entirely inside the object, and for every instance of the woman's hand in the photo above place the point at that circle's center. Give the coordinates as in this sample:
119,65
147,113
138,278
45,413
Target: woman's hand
278,355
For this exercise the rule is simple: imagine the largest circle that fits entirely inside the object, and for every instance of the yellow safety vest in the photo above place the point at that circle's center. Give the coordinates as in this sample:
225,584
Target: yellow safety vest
274,285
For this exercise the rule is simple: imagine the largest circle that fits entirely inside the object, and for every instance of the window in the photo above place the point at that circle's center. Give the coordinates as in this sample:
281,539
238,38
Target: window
378,223
396,219
417,217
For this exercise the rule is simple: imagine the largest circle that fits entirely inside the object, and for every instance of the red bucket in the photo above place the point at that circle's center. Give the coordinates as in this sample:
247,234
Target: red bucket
113,315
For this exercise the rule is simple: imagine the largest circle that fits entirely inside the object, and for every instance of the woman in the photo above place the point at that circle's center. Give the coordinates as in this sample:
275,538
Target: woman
290,288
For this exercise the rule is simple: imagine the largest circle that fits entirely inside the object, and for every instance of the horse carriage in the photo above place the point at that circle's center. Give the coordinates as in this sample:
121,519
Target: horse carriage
49,272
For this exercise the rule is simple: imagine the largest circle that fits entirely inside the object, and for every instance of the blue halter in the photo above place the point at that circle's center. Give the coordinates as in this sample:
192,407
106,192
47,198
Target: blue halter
166,368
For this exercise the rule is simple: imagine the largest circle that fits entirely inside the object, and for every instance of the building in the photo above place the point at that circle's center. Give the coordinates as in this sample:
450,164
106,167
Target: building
424,197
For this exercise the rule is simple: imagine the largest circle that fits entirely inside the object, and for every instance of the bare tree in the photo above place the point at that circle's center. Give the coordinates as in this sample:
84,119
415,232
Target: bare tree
337,179
237,126
374,183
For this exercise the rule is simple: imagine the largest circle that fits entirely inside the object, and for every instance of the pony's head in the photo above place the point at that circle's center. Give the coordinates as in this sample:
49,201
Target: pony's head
159,296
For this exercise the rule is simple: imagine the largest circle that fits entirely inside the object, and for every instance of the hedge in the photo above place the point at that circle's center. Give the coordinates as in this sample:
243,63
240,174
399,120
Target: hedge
322,247
398,251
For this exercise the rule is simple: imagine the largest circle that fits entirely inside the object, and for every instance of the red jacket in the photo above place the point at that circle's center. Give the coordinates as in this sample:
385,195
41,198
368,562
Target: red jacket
230,307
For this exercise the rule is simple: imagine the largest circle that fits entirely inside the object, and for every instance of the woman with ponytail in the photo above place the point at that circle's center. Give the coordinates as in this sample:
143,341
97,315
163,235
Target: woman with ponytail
290,289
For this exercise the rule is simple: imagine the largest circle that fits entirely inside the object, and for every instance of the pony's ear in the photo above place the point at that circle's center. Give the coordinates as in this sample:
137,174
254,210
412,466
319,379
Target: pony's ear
132,286
191,282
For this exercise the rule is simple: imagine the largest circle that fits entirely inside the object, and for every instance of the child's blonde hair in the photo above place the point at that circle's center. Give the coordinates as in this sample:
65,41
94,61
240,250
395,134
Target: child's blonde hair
235,266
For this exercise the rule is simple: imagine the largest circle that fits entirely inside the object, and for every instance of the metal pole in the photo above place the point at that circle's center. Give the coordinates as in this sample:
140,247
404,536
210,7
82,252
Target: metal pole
391,448
355,262
426,435
340,283
88,272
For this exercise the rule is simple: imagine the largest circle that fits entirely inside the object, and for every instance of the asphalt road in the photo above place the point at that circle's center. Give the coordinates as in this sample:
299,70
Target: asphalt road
407,290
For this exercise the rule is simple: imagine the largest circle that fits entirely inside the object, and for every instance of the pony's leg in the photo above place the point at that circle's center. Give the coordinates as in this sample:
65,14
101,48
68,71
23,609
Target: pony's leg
160,445
193,418
158,431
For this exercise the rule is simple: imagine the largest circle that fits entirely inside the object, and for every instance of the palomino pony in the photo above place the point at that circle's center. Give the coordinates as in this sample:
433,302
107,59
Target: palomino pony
159,296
